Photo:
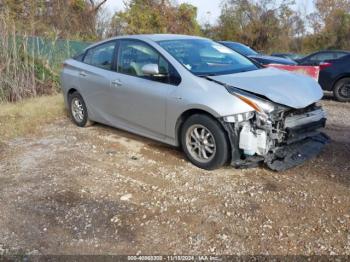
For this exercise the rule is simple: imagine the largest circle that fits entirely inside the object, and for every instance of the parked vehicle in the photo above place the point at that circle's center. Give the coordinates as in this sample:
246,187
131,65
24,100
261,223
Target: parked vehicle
334,71
290,56
335,77
317,58
195,93
260,58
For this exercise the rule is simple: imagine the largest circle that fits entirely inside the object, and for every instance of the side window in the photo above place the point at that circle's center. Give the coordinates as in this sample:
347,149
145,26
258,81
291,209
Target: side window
322,57
133,55
101,56
339,55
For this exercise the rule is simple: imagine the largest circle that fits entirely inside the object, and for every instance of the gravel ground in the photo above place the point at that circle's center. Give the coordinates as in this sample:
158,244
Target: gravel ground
100,190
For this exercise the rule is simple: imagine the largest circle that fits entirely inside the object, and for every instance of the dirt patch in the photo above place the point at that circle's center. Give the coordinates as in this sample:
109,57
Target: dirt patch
100,190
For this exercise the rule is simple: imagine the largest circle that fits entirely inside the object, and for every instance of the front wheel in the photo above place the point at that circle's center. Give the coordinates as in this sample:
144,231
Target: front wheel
342,90
204,142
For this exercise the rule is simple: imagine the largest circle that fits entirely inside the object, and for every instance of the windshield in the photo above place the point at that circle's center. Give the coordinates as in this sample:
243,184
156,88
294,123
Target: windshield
240,48
205,57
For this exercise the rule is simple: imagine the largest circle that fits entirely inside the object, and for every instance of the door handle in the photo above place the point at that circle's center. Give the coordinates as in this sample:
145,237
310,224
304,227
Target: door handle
83,74
177,97
117,82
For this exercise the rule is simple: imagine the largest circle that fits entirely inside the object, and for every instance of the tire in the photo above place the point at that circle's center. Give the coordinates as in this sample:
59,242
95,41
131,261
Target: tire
78,110
341,90
214,143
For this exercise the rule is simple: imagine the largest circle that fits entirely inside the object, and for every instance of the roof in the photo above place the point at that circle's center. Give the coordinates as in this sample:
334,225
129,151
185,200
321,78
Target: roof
152,37
165,37
158,37
230,42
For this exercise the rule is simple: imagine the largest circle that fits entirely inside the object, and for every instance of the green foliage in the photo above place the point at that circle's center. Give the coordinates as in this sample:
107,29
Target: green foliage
260,24
44,75
155,16
330,24
69,19
29,66
186,17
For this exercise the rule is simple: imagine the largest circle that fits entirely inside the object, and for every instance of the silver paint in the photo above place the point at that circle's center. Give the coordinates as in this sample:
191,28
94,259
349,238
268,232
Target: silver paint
154,109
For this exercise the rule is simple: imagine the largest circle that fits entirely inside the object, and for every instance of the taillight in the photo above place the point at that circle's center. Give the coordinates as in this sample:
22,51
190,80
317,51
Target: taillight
325,65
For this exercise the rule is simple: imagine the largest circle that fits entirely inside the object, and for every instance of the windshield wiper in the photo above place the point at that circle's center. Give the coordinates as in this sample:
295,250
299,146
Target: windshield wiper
206,75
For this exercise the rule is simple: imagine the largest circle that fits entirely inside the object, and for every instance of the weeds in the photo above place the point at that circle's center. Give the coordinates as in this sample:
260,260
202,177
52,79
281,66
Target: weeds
18,119
29,66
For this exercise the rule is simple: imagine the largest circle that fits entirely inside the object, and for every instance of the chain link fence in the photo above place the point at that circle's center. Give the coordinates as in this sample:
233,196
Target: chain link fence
53,52
30,66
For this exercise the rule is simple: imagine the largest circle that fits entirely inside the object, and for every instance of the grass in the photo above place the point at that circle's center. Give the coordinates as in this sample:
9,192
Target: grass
22,118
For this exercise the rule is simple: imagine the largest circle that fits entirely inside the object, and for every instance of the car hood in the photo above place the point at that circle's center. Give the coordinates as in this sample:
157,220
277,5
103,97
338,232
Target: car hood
273,59
282,87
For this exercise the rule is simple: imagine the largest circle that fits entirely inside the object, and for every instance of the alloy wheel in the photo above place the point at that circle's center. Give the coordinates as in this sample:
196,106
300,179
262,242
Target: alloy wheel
77,110
200,143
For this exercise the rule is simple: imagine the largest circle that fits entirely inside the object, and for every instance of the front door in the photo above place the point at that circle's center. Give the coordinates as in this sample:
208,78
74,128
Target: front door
142,98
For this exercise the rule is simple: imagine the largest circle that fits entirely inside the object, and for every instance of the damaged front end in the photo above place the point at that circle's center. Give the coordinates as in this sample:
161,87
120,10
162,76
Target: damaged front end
280,136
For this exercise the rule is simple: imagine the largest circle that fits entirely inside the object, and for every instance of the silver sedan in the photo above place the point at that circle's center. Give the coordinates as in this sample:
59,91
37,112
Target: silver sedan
217,105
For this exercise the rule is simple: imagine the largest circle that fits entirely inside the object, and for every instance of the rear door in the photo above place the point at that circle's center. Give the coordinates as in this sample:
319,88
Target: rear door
95,80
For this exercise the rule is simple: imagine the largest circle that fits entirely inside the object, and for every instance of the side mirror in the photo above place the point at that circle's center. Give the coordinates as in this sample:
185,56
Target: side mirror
150,70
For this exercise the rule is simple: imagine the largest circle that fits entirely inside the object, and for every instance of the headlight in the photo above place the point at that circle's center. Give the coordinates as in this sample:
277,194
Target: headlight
260,105
239,117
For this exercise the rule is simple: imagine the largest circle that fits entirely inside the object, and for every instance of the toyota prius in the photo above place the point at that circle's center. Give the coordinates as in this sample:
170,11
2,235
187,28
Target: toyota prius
191,92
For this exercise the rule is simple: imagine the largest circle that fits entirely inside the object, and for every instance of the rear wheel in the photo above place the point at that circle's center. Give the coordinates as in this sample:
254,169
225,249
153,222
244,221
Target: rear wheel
204,142
342,90
78,110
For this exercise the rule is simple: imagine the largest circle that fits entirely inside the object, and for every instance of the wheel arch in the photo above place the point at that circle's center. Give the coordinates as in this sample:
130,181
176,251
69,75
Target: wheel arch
67,93
347,75
71,91
185,115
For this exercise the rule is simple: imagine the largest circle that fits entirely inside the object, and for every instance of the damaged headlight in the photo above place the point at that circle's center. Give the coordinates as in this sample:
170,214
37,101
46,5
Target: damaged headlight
237,118
262,106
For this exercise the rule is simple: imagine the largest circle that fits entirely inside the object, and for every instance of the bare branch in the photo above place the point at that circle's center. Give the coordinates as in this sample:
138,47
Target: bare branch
98,6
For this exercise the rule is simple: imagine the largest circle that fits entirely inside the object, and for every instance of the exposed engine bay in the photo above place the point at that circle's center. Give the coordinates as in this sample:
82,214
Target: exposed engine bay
282,139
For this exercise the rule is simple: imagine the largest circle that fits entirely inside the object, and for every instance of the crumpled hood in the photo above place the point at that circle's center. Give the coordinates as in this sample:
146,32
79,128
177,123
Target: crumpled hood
282,87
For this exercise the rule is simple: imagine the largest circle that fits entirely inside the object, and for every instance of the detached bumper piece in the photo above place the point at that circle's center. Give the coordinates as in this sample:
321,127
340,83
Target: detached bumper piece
297,153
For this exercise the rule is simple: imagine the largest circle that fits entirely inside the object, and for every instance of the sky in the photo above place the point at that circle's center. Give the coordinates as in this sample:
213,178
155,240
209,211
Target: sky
208,10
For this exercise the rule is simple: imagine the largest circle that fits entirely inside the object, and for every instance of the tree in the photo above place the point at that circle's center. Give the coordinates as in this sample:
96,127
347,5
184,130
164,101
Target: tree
155,16
59,18
260,24
331,25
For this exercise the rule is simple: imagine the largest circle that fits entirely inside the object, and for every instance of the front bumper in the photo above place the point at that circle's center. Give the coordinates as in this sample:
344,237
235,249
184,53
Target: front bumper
296,154
300,144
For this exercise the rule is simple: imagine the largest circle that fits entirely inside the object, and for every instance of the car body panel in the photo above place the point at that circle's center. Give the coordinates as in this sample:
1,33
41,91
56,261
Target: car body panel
339,68
142,109
69,78
279,86
200,94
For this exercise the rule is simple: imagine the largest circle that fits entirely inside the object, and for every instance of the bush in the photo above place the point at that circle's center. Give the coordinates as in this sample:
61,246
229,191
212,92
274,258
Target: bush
21,75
